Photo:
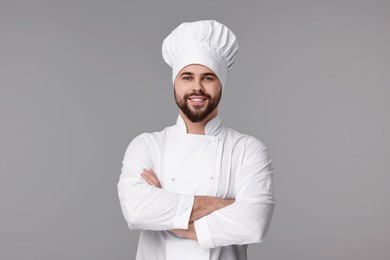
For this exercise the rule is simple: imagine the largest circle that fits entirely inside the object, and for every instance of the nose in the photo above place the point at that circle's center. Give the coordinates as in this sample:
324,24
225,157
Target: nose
197,85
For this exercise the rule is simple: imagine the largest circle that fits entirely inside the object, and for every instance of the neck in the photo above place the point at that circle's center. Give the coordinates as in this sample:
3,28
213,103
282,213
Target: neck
198,127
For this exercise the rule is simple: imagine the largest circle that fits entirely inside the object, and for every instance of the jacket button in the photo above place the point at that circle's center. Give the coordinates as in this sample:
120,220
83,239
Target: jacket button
173,178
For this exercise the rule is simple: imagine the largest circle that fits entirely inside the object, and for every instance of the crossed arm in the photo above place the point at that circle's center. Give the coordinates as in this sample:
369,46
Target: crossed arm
212,221
203,205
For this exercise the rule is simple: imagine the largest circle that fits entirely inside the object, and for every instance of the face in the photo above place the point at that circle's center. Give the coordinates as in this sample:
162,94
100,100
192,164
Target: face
197,92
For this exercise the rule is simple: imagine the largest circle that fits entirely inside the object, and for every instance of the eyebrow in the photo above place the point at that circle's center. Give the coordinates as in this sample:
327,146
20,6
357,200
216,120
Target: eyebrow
203,74
186,73
209,74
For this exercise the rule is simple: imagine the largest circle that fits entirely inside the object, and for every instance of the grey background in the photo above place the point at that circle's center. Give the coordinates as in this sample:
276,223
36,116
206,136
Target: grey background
80,79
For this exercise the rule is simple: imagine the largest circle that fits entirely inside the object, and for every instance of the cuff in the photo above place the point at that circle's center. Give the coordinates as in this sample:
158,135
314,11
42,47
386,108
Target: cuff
203,233
184,212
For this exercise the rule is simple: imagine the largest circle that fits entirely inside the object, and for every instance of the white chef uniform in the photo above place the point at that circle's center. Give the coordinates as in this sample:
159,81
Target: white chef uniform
222,163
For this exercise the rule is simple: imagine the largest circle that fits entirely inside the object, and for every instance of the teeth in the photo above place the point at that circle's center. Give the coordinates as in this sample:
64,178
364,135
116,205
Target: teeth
197,99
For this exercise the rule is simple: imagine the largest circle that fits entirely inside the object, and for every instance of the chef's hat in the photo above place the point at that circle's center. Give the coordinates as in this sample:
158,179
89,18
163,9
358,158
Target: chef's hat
207,43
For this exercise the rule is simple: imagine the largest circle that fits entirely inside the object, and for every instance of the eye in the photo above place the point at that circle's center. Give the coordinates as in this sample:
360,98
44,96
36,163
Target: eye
187,78
208,78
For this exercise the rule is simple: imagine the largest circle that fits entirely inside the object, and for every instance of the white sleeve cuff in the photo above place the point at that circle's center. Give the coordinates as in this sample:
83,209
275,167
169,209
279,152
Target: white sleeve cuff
184,212
203,233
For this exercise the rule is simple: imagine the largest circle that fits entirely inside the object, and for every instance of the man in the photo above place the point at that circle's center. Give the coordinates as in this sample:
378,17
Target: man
197,190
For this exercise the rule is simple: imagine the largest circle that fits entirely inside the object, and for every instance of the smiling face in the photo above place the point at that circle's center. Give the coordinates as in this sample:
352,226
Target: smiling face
197,92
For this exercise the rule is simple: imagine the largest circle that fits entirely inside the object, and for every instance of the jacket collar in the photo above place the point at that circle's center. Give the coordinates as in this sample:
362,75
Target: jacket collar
213,126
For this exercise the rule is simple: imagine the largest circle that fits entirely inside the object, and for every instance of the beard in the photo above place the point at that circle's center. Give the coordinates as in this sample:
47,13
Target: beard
197,113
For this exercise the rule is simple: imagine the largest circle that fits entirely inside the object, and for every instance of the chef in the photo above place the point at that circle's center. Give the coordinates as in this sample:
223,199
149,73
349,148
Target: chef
197,190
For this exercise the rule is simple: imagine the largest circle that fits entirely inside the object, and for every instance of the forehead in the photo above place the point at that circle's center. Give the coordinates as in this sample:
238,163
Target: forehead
196,69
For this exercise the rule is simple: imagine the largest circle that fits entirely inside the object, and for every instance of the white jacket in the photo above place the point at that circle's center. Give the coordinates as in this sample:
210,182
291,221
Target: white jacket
222,163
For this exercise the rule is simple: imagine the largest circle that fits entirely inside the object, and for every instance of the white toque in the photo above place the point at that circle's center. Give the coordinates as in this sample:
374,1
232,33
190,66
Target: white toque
207,43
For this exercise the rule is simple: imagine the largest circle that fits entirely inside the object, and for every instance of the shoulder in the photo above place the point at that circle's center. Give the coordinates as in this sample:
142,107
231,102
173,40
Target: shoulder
253,151
144,146
150,139
246,141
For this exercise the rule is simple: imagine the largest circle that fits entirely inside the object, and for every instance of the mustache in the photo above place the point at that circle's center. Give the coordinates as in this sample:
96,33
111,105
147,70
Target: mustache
199,94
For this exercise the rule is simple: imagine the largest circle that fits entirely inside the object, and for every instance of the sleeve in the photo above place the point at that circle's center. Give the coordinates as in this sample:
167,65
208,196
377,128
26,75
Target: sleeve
247,220
144,206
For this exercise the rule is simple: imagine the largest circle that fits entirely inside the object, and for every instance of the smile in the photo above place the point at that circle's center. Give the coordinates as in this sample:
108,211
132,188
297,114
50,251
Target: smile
197,100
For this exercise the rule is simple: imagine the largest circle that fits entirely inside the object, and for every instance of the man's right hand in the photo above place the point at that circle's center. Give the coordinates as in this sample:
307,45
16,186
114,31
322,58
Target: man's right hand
204,205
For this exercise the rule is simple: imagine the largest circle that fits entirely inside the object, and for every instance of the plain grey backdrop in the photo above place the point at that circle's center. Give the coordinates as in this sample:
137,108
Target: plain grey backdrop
80,79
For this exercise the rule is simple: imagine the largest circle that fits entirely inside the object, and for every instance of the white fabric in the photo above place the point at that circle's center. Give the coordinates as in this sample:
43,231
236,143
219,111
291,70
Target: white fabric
208,43
222,163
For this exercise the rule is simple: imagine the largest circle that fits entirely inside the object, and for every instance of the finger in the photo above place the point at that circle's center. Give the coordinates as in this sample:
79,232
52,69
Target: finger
153,177
177,232
151,180
146,178
151,172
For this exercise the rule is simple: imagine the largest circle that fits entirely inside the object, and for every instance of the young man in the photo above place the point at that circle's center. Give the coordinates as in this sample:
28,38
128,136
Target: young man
197,190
